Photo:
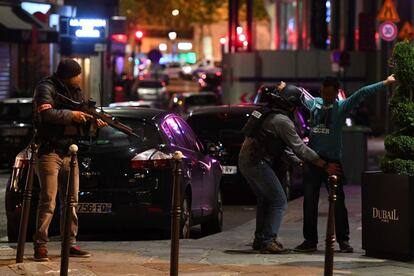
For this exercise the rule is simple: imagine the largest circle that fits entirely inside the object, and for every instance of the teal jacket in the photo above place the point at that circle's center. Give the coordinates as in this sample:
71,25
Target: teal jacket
326,121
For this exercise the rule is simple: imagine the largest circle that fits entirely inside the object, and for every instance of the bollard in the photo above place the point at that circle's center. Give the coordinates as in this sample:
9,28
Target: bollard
176,213
27,201
67,214
330,228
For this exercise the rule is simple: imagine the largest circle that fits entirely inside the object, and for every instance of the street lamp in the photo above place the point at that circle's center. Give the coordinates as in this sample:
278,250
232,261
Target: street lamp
172,36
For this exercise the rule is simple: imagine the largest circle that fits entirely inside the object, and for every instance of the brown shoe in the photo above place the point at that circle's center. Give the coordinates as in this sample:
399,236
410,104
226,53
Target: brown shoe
40,254
75,251
274,247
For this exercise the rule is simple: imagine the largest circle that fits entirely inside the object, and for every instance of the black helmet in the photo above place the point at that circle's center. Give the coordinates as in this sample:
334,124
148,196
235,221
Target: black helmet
290,96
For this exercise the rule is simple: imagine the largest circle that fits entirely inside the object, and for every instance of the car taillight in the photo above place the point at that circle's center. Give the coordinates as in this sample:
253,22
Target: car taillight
151,158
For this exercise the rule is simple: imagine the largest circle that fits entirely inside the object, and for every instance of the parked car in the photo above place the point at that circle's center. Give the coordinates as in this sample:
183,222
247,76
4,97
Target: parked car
210,81
150,90
16,127
126,182
139,103
173,69
185,103
220,130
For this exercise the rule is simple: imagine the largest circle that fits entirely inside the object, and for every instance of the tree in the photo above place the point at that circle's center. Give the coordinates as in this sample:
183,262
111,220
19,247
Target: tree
400,144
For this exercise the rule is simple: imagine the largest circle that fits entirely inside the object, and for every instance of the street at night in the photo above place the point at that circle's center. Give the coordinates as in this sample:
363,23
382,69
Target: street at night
206,137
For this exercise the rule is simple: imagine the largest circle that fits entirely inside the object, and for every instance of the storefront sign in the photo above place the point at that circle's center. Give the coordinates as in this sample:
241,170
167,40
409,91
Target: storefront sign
87,28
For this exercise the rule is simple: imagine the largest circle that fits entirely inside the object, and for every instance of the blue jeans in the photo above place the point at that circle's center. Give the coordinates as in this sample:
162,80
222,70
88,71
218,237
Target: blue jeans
271,199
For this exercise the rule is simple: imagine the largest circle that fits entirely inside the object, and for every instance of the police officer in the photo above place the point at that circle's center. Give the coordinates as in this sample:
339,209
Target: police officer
57,127
269,132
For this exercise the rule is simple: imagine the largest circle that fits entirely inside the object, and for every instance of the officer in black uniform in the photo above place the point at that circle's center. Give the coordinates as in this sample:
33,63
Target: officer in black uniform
269,132
56,128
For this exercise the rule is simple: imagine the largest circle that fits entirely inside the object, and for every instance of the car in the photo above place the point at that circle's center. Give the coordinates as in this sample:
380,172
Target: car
184,103
126,182
150,90
16,127
139,103
173,69
220,130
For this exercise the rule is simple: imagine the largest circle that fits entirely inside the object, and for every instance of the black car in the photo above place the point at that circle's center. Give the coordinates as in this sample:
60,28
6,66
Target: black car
220,130
16,127
126,182
184,103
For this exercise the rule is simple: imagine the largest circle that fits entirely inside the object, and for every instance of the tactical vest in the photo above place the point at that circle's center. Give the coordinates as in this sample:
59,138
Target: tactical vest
272,145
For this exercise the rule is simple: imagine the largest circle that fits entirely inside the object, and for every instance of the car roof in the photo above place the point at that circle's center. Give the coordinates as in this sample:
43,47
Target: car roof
195,93
145,113
233,109
17,100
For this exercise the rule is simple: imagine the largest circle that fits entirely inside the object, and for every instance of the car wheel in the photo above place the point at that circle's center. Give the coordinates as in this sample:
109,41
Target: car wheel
215,223
287,185
185,218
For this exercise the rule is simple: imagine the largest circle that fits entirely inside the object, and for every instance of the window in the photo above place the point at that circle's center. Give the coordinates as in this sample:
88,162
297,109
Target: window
189,135
147,135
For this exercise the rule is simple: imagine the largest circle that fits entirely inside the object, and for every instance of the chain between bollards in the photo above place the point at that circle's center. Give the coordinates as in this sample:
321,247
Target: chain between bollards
176,213
68,210
330,228
27,201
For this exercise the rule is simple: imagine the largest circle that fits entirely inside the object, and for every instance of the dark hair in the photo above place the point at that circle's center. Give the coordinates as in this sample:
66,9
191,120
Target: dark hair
331,81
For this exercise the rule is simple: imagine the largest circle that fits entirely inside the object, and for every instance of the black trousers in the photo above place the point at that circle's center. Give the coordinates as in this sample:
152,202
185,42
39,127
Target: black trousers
313,178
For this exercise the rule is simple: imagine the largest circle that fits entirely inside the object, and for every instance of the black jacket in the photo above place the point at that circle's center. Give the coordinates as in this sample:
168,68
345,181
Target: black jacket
55,129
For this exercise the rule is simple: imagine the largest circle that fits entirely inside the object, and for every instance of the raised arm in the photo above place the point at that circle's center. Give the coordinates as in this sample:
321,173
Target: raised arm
347,105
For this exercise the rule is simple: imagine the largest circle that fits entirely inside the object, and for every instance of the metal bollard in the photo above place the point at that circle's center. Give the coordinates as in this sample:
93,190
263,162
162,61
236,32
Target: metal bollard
176,213
330,228
69,205
27,201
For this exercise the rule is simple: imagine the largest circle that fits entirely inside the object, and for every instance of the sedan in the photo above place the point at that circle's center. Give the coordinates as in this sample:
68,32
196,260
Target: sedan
126,182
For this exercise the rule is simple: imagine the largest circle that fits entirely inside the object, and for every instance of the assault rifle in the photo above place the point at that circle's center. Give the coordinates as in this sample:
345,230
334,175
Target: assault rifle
90,108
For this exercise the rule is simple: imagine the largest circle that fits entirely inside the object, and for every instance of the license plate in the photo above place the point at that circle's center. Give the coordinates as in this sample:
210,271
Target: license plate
94,208
229,169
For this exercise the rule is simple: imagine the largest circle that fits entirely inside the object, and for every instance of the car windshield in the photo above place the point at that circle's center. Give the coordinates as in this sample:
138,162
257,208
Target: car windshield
150,84
223,127
148,135
16,111
201,100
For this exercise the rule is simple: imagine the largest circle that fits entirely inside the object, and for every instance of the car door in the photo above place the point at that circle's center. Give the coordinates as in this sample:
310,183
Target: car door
204,165
192,170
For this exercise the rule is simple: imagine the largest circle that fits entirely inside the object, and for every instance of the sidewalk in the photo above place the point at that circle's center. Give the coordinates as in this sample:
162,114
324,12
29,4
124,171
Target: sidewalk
227,253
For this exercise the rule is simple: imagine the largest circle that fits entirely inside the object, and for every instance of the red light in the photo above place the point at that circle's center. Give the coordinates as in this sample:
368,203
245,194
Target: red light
139,34
218,74
122,38
223,40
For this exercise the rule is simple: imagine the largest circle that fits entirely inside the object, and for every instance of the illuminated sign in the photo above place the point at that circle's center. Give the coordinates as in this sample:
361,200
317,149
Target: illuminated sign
87,27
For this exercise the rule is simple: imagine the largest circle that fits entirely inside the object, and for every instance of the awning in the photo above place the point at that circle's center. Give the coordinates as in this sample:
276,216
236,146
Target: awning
19,26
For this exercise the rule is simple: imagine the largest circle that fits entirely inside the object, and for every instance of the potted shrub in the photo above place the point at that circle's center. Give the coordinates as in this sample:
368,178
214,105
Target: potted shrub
388,196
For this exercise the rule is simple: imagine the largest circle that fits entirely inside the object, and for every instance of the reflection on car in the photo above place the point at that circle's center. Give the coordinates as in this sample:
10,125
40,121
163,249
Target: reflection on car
16,127
126,182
